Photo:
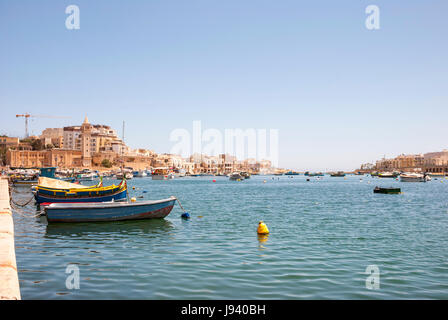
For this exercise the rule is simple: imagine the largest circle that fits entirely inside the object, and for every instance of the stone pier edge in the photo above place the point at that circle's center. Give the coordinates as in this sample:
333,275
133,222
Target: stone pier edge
9,279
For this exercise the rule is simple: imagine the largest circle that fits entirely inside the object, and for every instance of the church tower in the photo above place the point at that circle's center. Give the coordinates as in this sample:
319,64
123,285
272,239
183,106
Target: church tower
86,137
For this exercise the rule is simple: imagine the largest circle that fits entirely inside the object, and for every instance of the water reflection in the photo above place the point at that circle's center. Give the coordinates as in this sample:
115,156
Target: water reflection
153,226
262,238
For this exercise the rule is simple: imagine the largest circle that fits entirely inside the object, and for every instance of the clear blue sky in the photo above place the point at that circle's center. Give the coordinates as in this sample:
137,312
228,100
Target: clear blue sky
340,94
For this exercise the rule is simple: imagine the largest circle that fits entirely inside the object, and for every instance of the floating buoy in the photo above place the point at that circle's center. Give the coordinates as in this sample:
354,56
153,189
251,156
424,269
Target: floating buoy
185,215
133,199
264,181
214,180
144,191
262,228
133,188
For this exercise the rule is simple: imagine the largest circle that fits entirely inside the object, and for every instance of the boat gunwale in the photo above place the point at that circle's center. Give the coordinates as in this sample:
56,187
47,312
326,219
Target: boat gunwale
103,205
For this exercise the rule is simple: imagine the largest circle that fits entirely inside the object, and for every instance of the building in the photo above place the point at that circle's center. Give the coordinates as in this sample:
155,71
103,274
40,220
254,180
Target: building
45,158
9,142
53,136
436,162
432,162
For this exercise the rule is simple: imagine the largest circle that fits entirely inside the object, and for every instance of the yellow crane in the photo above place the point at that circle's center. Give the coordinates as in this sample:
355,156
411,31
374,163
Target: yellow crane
27,116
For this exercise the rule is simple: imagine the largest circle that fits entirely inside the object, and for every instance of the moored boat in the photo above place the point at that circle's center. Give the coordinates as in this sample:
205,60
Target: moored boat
109,211
245,175
162,174
236,176
414,177
388,175
337,174
291,173
387,190
315,174
52,190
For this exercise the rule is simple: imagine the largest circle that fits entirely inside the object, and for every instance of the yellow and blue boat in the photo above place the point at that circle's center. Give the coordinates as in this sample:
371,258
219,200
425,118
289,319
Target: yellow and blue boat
53,191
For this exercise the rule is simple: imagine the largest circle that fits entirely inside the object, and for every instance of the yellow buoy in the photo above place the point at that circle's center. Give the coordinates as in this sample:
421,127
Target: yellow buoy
133,199
262,228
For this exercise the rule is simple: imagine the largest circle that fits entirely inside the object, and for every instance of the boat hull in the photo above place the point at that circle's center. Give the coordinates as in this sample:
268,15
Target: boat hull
387,190
412,179
161,177
101,212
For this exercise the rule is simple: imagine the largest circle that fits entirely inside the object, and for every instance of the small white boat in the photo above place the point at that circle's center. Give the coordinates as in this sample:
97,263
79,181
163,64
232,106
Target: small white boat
414,177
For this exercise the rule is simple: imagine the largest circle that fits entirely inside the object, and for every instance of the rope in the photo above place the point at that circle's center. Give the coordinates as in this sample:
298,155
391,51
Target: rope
22,205
16,211
180,205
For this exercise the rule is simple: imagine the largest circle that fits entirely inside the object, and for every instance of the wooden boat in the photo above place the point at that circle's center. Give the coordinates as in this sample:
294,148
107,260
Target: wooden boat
414,177
52,190
387,190
109,211
388,175
337,174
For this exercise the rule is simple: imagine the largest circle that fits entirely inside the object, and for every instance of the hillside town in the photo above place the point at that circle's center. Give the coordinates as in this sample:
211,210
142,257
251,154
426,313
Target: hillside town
98,147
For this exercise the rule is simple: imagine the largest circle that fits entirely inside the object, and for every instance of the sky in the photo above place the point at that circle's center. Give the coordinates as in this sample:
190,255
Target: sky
338,94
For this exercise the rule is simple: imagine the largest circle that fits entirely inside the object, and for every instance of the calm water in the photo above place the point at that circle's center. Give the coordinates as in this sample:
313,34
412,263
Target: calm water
323,236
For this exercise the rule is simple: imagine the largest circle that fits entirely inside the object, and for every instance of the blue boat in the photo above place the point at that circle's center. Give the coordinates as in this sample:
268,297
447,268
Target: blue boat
109,211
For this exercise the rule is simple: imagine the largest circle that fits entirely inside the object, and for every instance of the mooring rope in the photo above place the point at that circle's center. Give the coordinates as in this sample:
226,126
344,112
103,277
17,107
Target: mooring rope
22,205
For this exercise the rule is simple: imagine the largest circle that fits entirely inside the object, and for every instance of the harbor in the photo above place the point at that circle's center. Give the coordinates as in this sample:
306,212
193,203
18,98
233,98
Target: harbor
323,234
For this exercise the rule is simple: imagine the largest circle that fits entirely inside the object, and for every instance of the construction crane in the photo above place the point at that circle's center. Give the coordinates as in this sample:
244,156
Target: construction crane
27,116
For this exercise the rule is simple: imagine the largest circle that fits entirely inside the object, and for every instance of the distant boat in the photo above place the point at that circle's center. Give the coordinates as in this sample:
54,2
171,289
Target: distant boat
109,211
337,174
414,177
315,174
162,174
32,179
121,175
292,173
236,176
278,174
387,190
388,175
139,174
374,174
245,175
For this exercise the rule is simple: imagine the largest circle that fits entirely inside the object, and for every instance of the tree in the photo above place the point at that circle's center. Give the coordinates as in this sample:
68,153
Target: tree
37,144
106,163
